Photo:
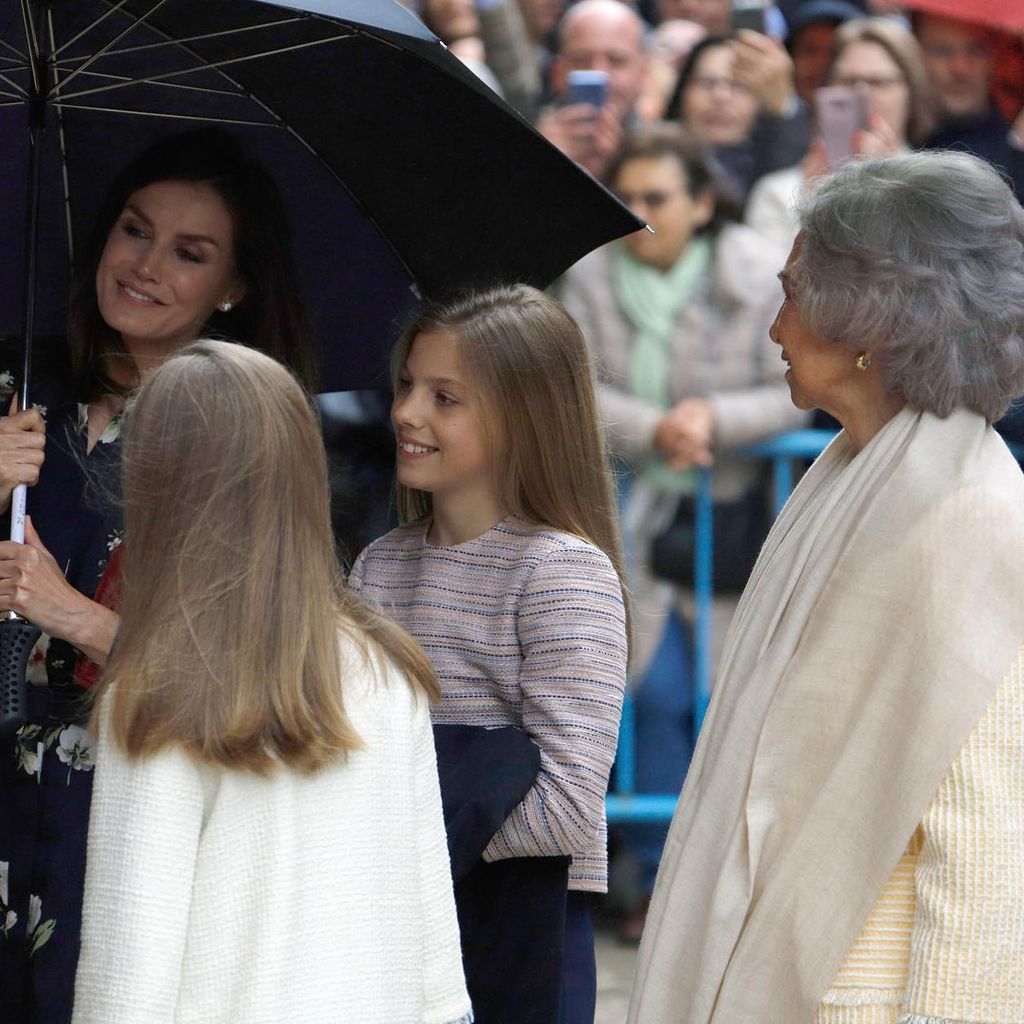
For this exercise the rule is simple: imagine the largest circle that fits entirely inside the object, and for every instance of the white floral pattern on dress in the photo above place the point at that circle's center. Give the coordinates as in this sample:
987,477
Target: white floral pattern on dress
111,433
75,749
38,934
8,918
75,746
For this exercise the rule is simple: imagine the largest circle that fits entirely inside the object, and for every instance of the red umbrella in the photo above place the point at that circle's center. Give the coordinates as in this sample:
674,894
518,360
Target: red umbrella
1006,14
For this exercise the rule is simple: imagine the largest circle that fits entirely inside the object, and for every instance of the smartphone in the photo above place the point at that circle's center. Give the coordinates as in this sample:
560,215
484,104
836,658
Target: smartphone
748,14
841,113
587,87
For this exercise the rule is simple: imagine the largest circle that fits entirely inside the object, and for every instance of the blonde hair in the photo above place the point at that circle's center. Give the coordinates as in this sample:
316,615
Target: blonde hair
231,598
905,52
529,359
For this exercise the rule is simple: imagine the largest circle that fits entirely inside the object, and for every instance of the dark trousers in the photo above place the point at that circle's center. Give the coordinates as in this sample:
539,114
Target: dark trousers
579,969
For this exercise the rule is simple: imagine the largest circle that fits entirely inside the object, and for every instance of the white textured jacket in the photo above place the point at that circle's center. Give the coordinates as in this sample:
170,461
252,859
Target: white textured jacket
219,897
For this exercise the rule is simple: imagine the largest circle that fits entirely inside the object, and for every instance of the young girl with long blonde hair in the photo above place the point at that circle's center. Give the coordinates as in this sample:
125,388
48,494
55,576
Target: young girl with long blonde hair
266,840
508,567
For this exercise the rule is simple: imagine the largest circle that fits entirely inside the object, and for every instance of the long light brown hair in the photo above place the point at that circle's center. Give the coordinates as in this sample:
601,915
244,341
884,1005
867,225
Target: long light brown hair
231,598
905,52
529,359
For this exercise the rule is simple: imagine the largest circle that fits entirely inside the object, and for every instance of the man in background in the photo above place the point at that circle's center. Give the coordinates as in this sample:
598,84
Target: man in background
596,35
959,57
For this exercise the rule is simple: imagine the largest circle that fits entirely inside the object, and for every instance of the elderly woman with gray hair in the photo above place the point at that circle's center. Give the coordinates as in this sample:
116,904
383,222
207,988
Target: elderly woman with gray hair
849,845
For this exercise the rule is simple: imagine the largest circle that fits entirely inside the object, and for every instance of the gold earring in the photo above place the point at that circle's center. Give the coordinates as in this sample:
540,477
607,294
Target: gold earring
863,361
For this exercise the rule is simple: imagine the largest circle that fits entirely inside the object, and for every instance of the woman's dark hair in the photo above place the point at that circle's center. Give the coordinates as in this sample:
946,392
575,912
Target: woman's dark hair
688,70
700,169
270,316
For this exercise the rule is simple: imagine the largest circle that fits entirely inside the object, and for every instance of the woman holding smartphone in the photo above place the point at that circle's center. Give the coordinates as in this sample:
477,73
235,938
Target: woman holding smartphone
876,56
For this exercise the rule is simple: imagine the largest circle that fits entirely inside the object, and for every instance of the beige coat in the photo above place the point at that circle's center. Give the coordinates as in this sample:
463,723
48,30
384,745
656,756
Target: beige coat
720,350
884,612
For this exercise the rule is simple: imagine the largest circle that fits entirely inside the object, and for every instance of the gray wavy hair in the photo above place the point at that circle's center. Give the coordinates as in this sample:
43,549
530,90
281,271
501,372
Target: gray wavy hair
920,259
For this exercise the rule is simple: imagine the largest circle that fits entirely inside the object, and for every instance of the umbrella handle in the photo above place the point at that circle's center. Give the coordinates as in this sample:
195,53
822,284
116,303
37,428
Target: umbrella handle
19,499
17,638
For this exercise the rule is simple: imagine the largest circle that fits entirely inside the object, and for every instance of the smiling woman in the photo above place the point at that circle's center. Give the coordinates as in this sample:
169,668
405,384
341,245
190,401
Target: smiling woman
167,265
192,237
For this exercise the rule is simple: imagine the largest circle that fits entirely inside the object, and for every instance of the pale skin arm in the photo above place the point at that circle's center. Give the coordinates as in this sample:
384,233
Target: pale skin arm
32,584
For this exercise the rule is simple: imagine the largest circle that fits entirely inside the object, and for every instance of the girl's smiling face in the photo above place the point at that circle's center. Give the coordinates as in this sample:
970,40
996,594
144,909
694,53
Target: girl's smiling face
439,420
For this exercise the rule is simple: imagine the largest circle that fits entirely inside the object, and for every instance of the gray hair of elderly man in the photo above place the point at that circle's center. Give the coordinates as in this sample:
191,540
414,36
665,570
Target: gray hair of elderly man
919,259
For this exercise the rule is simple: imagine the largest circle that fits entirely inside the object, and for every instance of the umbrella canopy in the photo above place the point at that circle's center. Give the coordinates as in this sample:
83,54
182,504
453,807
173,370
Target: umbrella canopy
1006,14
404,176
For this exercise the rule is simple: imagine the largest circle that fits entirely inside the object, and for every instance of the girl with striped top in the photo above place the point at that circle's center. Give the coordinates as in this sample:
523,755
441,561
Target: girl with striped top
507,567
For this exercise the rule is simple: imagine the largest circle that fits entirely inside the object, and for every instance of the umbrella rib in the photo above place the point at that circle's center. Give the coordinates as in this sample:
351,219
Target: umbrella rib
196,39
68,227
128,80
19,91
214,65
33,47
88,28
113,42
155,113
21,56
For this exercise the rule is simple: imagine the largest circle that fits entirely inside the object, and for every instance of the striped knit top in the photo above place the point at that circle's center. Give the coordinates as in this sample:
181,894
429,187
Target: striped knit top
525,626
944,943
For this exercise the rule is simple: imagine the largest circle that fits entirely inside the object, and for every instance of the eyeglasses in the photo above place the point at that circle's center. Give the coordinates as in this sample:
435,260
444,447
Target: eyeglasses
708,83
652,200
876,83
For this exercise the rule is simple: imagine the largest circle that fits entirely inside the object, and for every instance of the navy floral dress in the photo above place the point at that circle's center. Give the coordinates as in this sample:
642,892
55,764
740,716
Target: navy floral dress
46,777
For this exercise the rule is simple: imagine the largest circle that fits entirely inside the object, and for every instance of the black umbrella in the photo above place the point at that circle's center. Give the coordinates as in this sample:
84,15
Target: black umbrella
404,175
402,170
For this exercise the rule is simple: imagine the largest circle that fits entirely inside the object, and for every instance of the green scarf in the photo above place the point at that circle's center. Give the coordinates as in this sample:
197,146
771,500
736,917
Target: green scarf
651,300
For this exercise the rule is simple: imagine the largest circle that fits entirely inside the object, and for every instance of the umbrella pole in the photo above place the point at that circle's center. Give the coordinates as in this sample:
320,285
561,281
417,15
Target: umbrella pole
37,123
18,636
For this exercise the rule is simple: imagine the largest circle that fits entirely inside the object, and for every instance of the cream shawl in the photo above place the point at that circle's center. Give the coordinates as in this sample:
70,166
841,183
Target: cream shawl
884,611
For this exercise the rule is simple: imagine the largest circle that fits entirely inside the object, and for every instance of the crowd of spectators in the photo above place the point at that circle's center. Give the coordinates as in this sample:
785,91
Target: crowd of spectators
710,132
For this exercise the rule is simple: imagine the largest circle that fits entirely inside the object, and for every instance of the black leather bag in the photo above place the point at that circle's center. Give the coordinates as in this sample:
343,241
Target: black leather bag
740,528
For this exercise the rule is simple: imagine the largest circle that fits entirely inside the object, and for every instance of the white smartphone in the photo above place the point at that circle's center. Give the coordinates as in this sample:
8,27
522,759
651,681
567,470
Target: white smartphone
841,113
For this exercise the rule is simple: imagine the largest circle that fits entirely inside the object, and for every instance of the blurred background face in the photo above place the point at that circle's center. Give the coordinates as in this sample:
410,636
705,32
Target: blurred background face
714,15
656,189
812,54
451,19
715,107
864,64
672,41
542,17
959,59
610,41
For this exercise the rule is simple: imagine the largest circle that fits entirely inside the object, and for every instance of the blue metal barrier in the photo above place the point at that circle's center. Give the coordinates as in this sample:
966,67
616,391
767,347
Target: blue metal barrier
624,804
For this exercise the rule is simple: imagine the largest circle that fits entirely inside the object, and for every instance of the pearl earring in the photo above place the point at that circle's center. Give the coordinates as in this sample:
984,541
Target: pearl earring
863,361
225,307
